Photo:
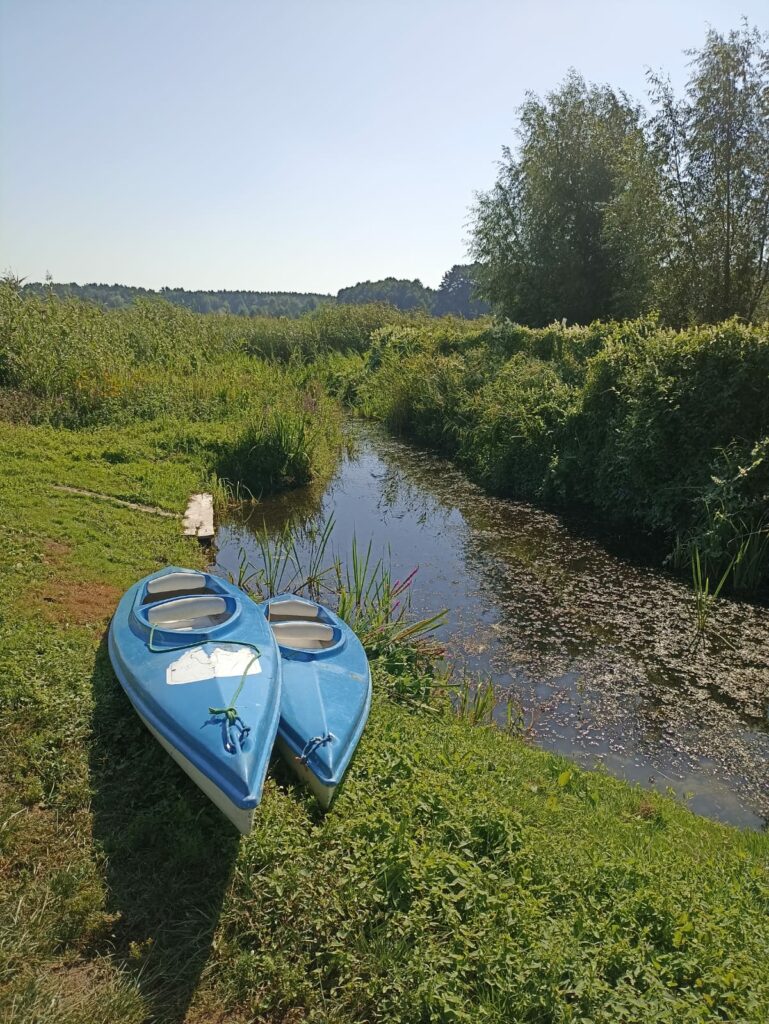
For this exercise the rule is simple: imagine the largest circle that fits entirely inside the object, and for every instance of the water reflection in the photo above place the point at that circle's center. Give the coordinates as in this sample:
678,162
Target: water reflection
598,649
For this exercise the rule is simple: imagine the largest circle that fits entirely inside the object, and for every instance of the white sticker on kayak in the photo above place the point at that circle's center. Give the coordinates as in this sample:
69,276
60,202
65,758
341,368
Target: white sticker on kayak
197,665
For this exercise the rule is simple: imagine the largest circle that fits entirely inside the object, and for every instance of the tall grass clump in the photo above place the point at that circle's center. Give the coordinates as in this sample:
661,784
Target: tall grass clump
360,585
287,444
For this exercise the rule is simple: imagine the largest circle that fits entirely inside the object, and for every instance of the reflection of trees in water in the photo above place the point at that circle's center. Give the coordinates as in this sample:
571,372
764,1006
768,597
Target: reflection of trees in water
545,602
401,496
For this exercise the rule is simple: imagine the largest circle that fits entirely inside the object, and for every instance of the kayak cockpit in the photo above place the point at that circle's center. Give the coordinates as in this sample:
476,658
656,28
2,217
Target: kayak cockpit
305,635
293,609
302,625
184,601
176,584
182,614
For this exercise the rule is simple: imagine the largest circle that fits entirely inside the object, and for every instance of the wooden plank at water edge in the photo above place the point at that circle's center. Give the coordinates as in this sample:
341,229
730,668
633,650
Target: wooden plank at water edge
199,517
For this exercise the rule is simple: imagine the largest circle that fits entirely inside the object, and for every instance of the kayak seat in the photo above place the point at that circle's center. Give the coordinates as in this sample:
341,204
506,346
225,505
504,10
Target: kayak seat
176,584
188,613
304,635
293,610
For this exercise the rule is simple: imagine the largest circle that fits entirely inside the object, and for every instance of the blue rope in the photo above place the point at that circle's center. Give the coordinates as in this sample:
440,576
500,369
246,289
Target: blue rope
312,745
232,719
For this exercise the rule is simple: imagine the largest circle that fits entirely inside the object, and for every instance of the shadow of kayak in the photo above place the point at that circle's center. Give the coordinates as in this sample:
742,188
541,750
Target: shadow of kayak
169,853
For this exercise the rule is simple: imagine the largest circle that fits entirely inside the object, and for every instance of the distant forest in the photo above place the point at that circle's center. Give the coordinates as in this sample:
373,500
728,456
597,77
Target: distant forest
454,296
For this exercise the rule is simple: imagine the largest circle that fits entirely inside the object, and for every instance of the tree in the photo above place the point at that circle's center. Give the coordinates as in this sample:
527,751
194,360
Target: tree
457,294
398,292
715,148
568,229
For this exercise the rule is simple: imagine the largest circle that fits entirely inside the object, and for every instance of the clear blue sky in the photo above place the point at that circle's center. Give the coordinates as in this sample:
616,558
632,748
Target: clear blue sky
287,144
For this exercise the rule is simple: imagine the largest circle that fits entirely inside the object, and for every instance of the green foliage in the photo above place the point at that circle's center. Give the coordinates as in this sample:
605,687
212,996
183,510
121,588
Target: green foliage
458,294
603,212
455,296
283,445
569,226
401,294
645,426
250,426
714,147
240,303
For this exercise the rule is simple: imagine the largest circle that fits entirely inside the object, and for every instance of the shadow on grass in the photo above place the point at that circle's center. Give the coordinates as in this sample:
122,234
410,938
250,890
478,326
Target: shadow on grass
169,852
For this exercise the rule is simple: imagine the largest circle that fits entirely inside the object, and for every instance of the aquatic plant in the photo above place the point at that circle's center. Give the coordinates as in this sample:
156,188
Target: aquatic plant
478,701
704,599
299,559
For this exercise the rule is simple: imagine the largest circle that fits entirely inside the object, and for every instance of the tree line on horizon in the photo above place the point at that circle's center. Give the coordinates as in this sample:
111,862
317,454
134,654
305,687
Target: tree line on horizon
455,296
608,211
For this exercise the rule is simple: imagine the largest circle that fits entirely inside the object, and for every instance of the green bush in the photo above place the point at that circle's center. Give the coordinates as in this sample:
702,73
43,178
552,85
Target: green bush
517,427
284,445
649,427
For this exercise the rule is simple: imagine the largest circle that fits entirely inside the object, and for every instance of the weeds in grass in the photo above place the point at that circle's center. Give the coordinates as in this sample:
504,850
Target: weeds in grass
227,494
478,701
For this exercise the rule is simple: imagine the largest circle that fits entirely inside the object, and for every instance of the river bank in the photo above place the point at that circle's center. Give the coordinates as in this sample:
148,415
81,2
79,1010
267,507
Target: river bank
599,652
472,877
462,876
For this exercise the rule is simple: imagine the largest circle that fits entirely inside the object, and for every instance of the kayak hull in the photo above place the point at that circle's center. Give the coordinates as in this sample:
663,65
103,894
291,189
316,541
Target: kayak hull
202,670
325,694
242,818
324,793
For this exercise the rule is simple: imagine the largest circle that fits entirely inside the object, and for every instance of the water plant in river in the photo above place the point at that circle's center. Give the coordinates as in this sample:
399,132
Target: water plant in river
479,701
703,600
298,558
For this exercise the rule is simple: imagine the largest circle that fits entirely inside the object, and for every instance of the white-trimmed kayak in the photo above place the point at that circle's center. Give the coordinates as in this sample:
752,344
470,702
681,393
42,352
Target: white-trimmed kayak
325,691
201,667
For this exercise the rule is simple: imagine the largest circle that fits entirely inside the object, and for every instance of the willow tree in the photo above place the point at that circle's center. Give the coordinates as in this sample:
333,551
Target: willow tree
571,228
714,146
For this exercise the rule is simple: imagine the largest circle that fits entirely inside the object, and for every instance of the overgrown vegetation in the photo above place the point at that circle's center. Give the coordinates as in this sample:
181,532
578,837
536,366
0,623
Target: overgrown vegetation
646,427
643,426
461,876
183,384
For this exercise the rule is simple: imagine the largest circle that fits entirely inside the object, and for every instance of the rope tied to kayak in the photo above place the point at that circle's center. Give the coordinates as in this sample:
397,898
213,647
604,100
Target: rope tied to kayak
234,729
232,720
312,745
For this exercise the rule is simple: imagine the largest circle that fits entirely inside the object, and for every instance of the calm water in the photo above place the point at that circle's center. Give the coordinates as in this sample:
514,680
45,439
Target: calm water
597,649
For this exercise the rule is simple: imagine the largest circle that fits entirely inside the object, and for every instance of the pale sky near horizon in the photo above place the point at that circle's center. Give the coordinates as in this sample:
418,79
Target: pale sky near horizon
289,145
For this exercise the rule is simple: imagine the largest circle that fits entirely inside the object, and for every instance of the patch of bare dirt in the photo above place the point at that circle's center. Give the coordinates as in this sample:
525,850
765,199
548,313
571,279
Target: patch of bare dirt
55,551
78,603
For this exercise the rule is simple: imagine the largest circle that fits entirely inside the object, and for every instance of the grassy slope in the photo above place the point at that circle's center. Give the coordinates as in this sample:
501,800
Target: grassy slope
461,876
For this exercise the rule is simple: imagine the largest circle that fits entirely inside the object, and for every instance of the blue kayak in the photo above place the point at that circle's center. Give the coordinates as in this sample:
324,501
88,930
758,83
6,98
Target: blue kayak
202,669
326,691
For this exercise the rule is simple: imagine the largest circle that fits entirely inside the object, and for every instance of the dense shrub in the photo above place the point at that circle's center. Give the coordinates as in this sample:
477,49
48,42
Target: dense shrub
283,445
660,429
518,421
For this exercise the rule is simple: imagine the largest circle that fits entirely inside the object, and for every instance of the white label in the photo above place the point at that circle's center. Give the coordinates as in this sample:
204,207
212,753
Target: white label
197,665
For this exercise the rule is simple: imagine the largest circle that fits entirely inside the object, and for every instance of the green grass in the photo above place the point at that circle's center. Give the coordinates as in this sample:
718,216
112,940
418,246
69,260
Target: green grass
461,876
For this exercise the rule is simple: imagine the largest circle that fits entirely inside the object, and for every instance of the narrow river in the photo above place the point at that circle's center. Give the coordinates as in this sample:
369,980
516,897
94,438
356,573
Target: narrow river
597,649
